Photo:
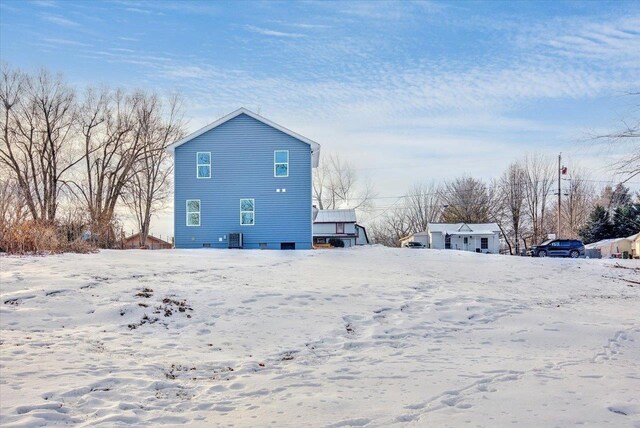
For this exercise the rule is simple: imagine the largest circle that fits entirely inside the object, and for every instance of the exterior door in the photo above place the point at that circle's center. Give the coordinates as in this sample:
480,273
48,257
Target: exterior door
465,243
564,248
555,249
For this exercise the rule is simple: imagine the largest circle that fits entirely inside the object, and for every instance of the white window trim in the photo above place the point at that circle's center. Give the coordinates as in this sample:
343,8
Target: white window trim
198,165
275,164
253,201
191,212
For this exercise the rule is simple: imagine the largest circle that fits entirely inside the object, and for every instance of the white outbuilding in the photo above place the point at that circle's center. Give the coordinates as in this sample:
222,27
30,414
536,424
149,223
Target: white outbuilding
476,237
338,224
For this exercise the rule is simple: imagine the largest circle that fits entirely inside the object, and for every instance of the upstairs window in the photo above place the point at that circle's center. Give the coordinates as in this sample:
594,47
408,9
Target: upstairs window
193,212
247,212
281,163
203,168
339,227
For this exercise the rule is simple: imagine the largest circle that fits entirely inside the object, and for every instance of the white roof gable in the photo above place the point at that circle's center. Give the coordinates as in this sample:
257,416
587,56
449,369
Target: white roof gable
463,228
336,216
315,147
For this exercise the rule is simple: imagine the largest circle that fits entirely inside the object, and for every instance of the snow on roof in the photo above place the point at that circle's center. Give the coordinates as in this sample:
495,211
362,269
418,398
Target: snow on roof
464,228
315,147
336,216
608,242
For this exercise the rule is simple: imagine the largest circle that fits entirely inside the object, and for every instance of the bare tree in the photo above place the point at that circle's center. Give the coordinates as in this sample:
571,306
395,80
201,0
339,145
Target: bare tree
392,226
38,114
578,202
423,205
149,188
629,136
13,207
539,176
113,144
337,185
466,200
510,202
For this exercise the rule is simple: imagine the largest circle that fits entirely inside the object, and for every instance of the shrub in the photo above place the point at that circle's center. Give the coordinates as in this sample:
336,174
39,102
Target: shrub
335,242
34,237
80,246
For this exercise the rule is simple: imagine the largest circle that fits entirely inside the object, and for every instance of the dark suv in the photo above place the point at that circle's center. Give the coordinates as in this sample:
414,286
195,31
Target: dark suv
413,244
559,248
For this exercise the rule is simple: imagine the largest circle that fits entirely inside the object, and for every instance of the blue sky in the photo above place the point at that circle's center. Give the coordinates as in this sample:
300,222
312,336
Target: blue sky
409,91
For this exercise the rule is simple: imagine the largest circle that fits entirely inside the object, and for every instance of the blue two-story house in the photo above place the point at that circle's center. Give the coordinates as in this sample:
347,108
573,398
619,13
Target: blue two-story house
244,182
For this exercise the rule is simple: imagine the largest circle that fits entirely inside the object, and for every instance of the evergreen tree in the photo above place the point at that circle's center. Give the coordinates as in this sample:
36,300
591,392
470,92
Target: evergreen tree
620,197
626,220
598,227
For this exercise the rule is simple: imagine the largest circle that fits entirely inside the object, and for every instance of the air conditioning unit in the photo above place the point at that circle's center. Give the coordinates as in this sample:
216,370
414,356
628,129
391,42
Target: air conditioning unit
235,240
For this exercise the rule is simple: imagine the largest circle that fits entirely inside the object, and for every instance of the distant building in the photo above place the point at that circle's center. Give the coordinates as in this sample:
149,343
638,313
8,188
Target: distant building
616,247
479,237
338,224
152,243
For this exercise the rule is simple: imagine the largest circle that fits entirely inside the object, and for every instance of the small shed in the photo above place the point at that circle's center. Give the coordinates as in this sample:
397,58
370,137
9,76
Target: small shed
153,243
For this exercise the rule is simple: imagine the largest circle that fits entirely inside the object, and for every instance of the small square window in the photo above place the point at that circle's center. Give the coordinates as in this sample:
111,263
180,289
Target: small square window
339,227
247,219
282,156
246,205
282,170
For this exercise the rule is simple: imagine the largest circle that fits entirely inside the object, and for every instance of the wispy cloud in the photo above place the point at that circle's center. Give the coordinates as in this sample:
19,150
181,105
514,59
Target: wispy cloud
64,42
601,40
139,10
308,26
45,3
273,33
59,20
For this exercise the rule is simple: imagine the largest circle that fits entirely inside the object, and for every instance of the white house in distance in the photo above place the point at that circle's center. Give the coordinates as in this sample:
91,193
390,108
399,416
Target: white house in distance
340,224
480,238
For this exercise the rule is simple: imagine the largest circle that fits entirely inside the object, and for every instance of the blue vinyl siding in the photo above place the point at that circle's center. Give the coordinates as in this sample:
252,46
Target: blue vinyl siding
242,167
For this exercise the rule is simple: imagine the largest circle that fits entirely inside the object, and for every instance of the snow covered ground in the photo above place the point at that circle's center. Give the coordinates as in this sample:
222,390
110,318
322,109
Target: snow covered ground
353,337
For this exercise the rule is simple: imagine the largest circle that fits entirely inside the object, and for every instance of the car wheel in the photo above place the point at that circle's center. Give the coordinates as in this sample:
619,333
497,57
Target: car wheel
574,254
542,253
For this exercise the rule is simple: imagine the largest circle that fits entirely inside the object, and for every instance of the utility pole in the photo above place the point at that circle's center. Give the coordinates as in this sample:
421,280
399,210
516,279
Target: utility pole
559,194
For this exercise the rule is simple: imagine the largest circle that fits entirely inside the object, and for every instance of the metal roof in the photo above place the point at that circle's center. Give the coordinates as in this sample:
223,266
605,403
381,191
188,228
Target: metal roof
315,147
336,216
